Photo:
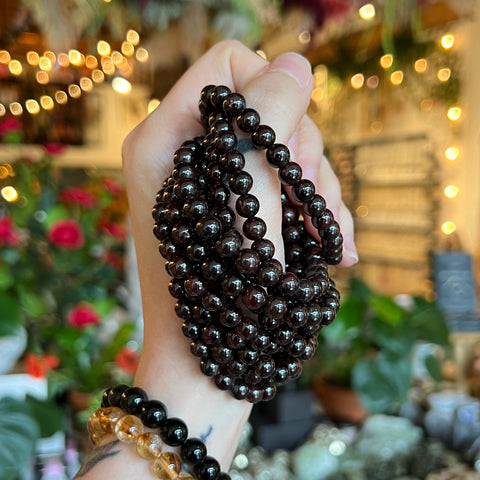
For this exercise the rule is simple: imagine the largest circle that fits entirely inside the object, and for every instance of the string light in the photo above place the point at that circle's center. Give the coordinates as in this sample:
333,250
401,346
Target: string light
45,64
4,57
318,94
103,48
367,11
452,153
444,74
454,113
74,90
447,41
357,81
451,191
152,105
304,37
121,85
3,110
15,67
33,58
16,109
386,61
448,227
133,37
75,58
47,102
42,78
32,106
61,97
373,81
420,65
396,78
142,55
9,193
127,49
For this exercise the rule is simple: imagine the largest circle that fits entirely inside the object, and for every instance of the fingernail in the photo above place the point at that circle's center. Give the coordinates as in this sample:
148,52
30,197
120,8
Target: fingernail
293,65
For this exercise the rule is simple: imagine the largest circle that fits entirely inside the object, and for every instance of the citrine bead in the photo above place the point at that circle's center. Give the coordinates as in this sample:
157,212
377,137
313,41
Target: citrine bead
128,428
109,417
167,466
149,445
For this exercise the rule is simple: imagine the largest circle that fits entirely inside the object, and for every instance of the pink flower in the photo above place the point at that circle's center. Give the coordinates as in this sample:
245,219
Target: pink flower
54,148
66,234
116,230
10,124
39,365
112,186
127,360
8,235
78,196
83,315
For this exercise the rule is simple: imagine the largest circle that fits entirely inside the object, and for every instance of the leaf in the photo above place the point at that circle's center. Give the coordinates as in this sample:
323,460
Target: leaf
382,383
429,322
386,309
18,434
48,415
58,212
433,367
6,278
396,339
32,304
11,314
104,306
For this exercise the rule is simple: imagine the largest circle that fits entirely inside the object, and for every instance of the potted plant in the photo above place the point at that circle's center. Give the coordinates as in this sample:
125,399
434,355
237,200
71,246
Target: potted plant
367,351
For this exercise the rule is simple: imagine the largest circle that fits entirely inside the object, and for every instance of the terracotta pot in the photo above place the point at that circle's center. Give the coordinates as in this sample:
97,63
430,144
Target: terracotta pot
341,404
79,401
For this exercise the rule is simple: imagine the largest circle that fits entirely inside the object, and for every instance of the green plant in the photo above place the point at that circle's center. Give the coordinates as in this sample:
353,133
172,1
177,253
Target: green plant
370,344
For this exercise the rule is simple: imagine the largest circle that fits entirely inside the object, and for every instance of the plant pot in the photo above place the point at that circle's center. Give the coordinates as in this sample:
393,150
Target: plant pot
79,401
340,404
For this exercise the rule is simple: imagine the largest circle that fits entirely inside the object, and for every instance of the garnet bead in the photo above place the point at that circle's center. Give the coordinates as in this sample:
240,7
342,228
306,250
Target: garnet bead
218,95
263,136
278,155
248,120
241,182
234,104
290,174
247,205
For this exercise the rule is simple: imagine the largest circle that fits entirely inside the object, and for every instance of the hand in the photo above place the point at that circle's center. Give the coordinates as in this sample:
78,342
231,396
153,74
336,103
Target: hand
280,91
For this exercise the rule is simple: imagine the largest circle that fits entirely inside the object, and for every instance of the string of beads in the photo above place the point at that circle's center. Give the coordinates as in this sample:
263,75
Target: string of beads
251,322
125,411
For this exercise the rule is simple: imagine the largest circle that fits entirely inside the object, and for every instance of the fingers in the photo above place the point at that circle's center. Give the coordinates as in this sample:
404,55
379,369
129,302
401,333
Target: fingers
307,148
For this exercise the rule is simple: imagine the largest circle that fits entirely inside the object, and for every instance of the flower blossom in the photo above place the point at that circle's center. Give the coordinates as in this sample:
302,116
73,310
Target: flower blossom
116,230
83,315
8,235
112,186
39,365
66,234
127,360
78,196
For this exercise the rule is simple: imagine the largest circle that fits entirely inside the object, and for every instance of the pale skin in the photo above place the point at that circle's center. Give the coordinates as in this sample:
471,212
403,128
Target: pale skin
280,91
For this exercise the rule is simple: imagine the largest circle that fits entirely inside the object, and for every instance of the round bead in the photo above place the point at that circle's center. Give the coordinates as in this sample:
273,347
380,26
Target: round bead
208,228
248,120
115,394
149,445
193,451
264,248
225,141
153,414
128,428
263,136
247,205
232,161
209,367
290,174
278,155
167,466
254,297
219,95
234,104
241,182
132,400
173,431
207,469
303,191
254,228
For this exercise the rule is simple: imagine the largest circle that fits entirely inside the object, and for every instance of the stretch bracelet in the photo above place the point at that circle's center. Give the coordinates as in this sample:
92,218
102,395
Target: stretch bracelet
126,410
251,322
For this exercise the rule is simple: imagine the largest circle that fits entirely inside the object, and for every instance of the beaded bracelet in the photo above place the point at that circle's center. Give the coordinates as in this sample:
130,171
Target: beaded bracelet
251,323
125,410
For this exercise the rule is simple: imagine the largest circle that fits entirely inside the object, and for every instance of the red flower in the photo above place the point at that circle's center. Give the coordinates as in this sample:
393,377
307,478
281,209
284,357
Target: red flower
10,124
78,196
54,148
127,360
116,230
8,235
66,234
112,186
113,259
83,315
39,365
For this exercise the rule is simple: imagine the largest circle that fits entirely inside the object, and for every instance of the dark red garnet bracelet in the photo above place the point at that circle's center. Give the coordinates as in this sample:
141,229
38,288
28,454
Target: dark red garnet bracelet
251,322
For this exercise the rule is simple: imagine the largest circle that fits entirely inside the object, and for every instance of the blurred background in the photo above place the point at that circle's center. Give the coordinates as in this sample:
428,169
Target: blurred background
396,98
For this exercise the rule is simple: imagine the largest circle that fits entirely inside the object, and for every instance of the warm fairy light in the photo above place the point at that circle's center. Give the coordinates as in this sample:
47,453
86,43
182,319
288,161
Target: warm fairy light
426,105
33,58
86,84
49,54
152,105
63,60
454,113
318,94
47,102
451,191
74,90
61,97
4,57
367,11
304,37
448,227
45,64
32,106
262,54
15,67
91,62
9,193
447,41
386,61
3,110
142,55
117,58
373,82
103,48
75,58
396,78
444,74
15,109
128,49
98,76
42,77
108,66
357,81
361,211
121,85
133,37
452,153
125,69
420,65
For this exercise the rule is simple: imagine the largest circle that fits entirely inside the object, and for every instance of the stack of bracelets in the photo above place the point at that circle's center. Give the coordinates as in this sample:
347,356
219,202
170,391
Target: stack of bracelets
252,323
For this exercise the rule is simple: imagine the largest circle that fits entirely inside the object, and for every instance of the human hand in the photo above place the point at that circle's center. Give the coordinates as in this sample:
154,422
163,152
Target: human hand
280,92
